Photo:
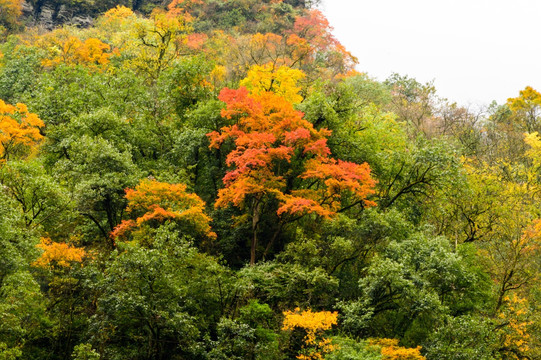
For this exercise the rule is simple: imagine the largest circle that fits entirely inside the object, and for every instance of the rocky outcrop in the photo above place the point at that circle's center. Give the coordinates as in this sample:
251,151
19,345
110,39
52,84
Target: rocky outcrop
50,14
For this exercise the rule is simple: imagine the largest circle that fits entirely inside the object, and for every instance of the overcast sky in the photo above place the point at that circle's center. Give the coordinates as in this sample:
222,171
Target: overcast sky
475,50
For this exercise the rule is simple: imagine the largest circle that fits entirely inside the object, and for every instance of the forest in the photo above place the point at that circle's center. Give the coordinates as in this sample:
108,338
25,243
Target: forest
213,180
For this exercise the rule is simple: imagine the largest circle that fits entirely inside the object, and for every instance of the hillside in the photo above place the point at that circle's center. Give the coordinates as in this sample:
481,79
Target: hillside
212,179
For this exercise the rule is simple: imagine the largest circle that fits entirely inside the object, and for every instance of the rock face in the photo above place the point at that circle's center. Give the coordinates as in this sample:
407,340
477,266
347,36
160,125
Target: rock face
53,13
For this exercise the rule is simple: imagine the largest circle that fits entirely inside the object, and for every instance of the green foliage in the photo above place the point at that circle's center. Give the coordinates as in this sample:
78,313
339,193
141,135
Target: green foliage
167,295
412,286
463,337
188,83
16,243
349,349
42,201
22,311
447,260
286,286
18,67
97,174
84,352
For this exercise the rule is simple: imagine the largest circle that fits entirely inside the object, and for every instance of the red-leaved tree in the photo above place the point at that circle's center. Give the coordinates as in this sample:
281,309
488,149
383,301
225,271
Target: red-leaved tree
277,155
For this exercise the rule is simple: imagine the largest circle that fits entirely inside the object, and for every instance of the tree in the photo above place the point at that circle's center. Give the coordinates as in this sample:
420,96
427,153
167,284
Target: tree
43,202
413,102
312,30
57,254
10,11
313,324
72,51
280,80
19,130
391,351
279,155
526,108
159,42
462,338
159,302
411,286
19,68
97,173
156,202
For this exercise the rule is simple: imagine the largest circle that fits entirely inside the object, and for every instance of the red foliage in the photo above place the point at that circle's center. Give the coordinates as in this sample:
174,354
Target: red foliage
269,133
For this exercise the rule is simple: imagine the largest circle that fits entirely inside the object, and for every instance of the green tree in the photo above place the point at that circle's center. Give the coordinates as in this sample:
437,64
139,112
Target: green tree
158,301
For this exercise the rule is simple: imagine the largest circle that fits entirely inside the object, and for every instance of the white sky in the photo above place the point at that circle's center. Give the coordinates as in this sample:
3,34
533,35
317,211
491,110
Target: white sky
475,50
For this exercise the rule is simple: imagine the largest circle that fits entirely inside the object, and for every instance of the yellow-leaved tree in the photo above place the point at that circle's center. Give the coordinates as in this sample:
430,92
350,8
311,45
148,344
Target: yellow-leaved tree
391,351
63,48
10,11
282,81
526,108
19,130
314,324
58,255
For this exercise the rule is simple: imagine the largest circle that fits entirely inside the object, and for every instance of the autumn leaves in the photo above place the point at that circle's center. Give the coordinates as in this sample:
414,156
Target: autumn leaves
19,130
273,155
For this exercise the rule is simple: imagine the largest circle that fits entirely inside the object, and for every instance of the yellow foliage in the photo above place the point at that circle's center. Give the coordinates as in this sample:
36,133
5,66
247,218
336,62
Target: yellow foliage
217,75
57,254
391,351
159,41
526,108
118,13
534,153
118,27
516,334
10,11
283,81
73,51
314,323
528,97
19,129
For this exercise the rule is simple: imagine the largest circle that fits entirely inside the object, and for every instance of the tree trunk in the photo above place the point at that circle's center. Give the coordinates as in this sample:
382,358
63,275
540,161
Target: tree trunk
255,223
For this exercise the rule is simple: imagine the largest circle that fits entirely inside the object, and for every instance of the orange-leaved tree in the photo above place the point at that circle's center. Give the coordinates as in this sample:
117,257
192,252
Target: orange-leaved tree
314,324
313,31
153,203
19,130
279,157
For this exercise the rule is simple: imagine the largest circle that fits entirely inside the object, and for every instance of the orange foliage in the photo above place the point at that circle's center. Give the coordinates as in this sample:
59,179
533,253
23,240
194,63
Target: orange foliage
196,41
313,33
19,129
308,46
57,254
182,7
156,202
314,323
91,52
268,134
391,351
279,50
123,229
